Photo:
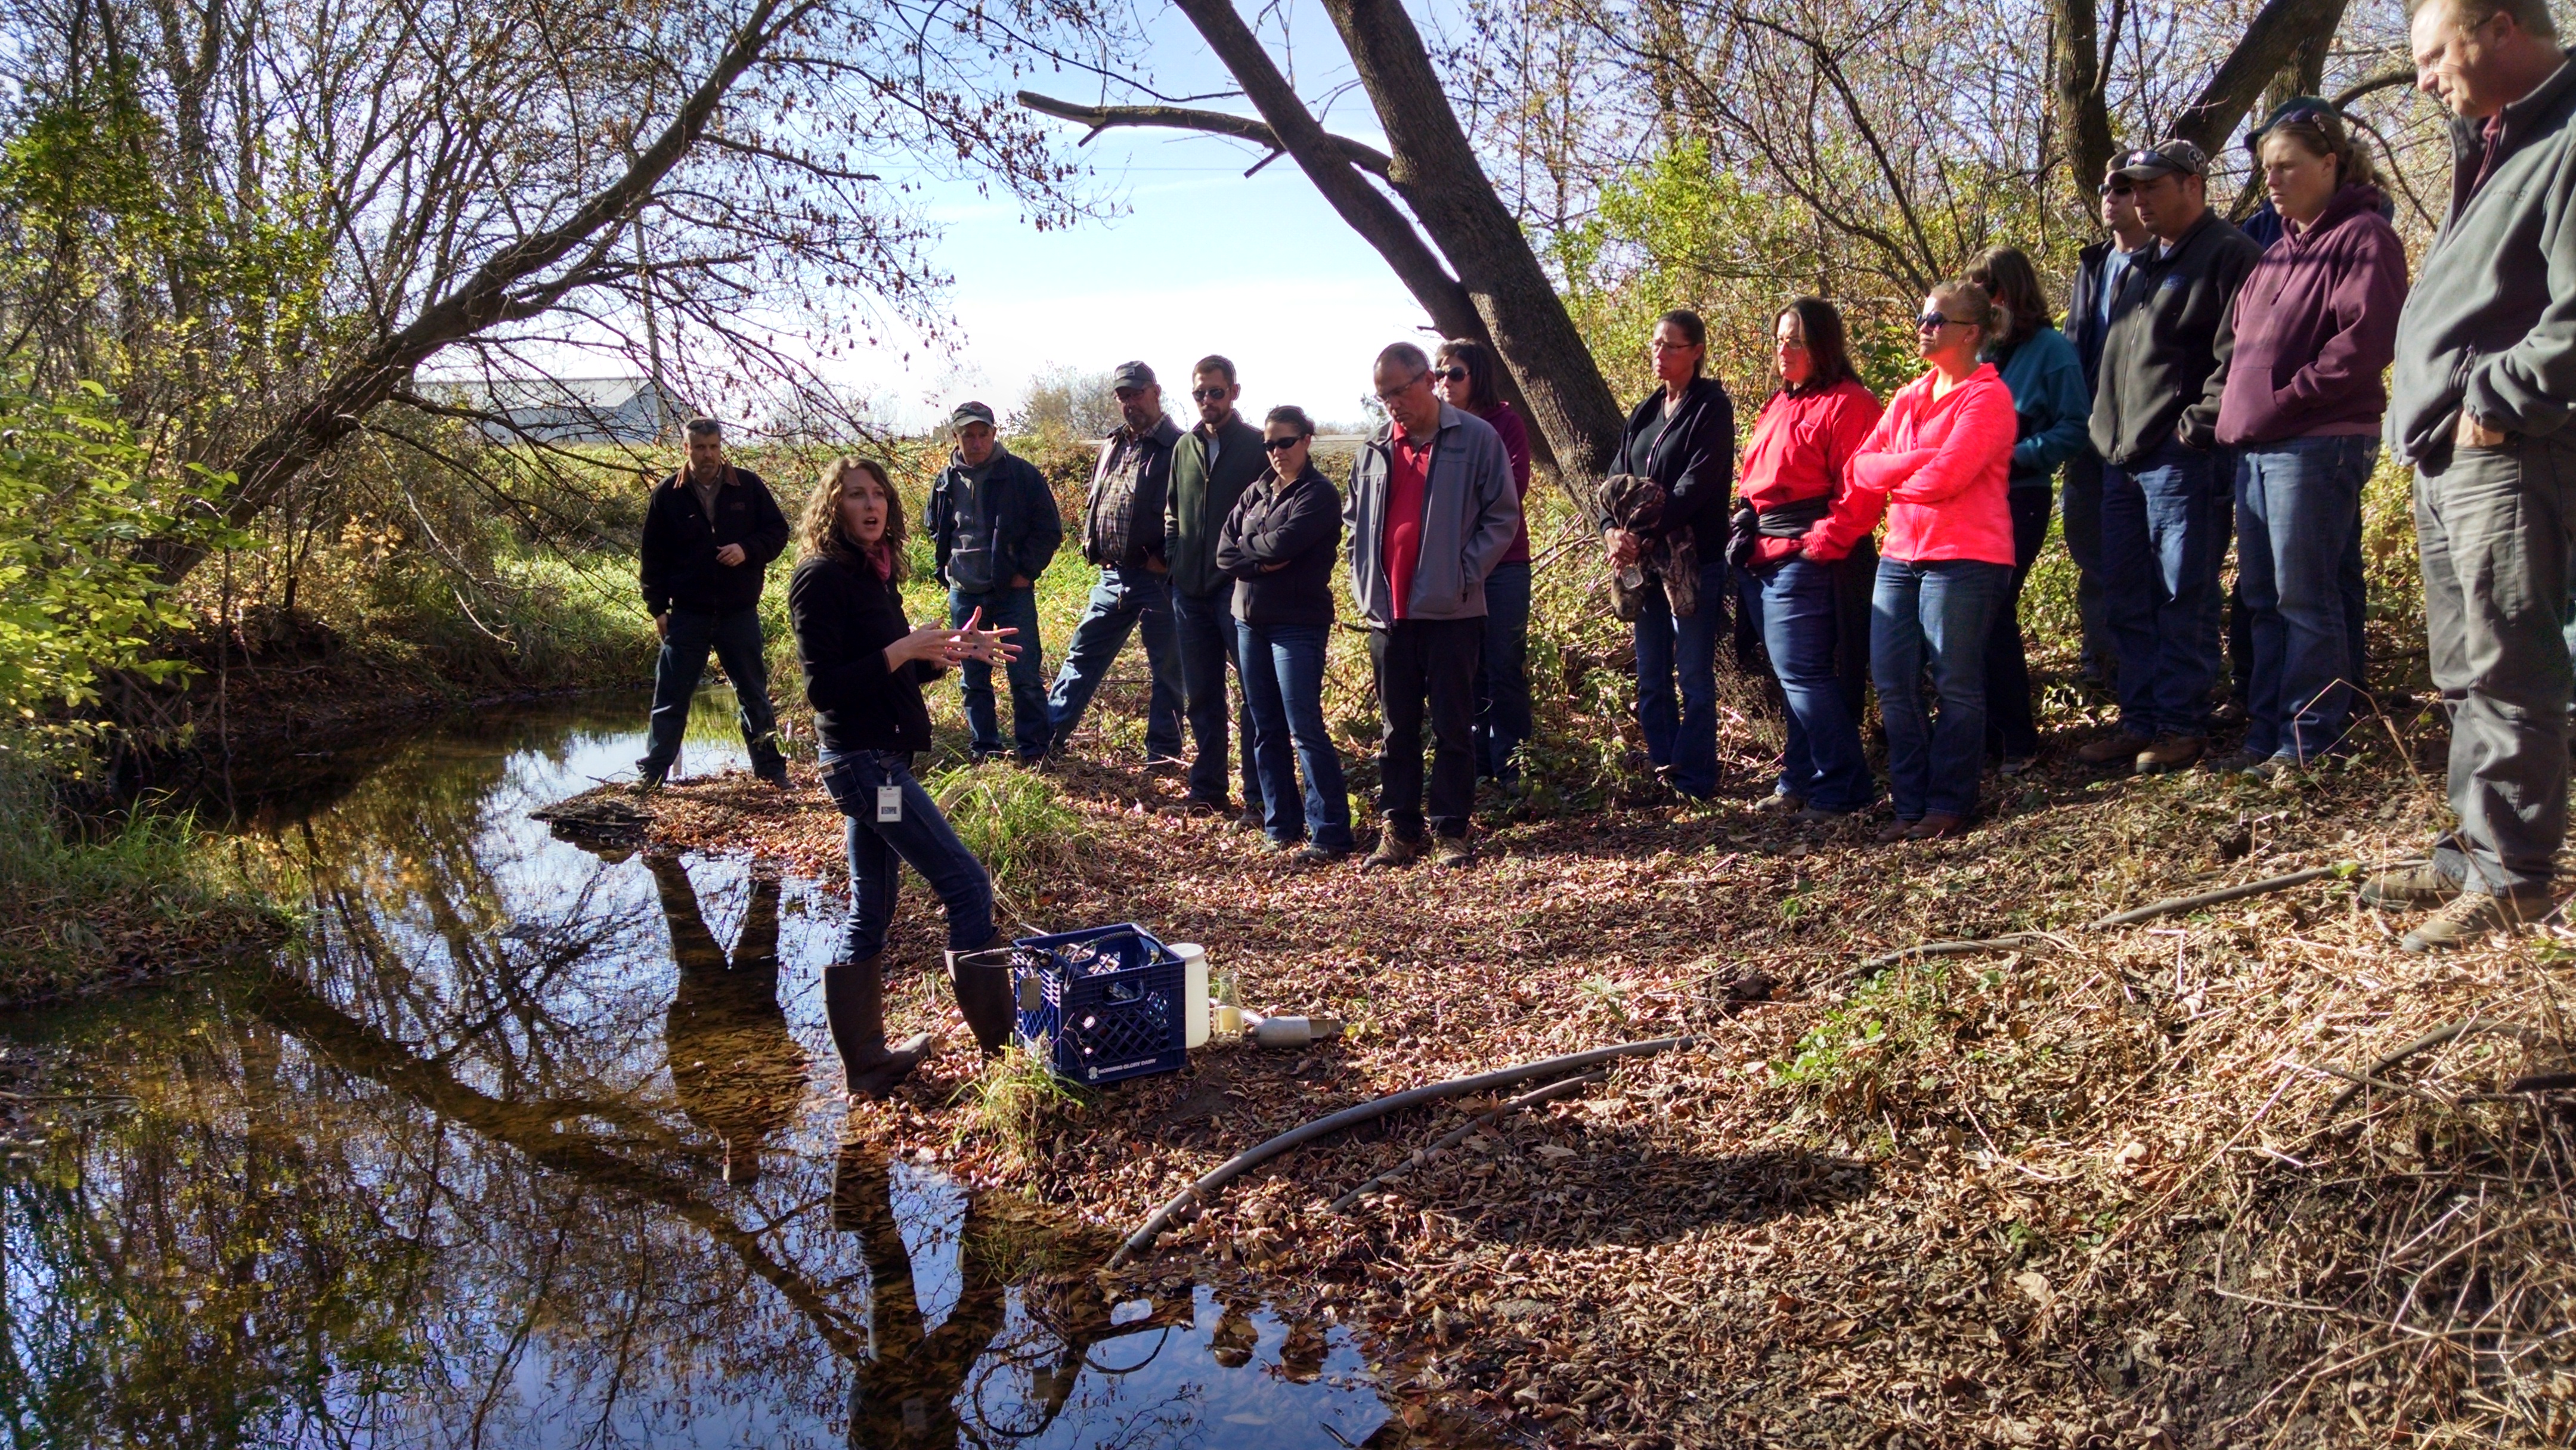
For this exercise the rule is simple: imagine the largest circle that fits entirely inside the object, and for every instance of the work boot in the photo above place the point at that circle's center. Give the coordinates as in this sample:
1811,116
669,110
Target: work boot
1449,853
2171,752
854,1002
1392,851
1934,827
2411,888
2118,748
2473,914
982,981
1895,831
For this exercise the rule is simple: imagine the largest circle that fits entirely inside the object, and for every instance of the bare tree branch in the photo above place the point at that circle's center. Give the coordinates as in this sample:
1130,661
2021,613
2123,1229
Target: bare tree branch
1181,118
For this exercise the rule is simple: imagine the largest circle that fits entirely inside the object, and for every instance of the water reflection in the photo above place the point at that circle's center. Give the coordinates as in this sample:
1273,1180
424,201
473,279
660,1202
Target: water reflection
522,1147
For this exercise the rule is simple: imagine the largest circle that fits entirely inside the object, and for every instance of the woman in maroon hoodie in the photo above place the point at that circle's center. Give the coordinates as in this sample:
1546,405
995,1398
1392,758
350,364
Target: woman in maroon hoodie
2313,329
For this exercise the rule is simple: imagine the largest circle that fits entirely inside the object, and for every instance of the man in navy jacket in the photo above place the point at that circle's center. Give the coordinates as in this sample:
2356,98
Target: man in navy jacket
709,534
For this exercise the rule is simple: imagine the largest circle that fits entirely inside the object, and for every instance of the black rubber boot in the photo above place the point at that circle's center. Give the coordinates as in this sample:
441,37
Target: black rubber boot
854,1001
982,981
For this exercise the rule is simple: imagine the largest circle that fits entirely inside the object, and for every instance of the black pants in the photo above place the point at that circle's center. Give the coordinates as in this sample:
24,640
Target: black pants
2011,731
1429,661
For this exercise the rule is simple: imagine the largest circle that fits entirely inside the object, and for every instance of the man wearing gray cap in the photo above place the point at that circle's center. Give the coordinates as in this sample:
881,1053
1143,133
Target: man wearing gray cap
994,527
2167,501
2479,402
1122,532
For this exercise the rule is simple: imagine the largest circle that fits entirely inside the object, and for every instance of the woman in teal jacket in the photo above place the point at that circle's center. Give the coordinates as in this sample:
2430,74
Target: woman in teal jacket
2054,410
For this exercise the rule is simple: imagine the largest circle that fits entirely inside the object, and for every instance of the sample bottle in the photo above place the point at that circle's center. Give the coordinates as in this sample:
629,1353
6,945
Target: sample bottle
1229,1007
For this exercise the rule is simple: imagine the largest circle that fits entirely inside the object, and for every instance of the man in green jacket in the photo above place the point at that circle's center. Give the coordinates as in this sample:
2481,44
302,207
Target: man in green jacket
2480,398
1215,462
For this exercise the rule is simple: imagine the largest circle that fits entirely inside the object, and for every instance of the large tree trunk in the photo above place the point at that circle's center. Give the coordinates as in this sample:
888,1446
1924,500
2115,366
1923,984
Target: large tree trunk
1439,176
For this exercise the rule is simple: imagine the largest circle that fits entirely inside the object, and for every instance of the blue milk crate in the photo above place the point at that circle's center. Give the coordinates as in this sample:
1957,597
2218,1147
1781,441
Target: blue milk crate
1101,1027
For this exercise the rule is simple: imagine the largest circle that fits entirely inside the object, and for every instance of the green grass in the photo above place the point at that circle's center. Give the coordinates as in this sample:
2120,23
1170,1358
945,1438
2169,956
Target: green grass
1014,820
1010,1106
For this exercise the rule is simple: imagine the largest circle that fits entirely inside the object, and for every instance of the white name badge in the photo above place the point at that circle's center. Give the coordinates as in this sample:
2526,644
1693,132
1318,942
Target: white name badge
889,803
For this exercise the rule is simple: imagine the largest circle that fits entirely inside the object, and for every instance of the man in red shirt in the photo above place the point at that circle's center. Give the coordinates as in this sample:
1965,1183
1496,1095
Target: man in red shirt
1432,510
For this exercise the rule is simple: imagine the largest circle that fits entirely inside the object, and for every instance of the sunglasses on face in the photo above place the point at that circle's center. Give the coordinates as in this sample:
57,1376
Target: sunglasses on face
1208,395
1934,322
1453,373
1281,445
2115,189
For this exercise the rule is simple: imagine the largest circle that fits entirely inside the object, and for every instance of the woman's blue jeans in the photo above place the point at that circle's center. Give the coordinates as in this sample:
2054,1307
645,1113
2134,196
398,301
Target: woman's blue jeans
1682,732
1932,617
1283,681
1792,603
921,837
2298,557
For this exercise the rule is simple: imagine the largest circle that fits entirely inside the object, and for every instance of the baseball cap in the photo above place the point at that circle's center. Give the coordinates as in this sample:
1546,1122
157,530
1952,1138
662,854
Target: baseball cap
2165,158
971,413
1131,375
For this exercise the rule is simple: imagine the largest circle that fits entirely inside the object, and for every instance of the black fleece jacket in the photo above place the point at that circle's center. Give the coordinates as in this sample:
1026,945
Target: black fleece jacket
1692,456
2164,361
679,568
1278,547
844,617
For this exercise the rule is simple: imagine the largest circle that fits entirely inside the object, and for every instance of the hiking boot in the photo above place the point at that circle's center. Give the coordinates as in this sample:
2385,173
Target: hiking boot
1449,853
1934,827
854,1004
1251,820
1392,851
1282,845
1895,831
1311,854
2412,888
2472,915
1780,802
2118,748
2171,752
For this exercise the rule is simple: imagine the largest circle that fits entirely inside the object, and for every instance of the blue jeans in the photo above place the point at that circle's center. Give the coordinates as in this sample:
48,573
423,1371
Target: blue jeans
1682,733
1123,599
922,838
2298,524
1206,627
1285,689
1792,603
2162,536
734,635
1934,616
1502,683
1018,609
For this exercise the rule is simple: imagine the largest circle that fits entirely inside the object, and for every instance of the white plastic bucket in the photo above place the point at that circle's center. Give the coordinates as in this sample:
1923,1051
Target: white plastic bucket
1194,992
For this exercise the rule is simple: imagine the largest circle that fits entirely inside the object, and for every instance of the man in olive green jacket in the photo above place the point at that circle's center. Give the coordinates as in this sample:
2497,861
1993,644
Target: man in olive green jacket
1212,466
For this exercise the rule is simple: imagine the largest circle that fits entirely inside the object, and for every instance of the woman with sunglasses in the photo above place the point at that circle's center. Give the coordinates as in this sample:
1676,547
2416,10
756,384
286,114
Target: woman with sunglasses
1278,547
1463,375
864,669
1936,465
2315,326
1807,433
1682,435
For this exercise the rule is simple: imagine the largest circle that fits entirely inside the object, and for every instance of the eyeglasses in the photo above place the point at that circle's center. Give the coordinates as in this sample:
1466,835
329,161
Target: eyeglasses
1209,395
1934,322
1281,445
1389,395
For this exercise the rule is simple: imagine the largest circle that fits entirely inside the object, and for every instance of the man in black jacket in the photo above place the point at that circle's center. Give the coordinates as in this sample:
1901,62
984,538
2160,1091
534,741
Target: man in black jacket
709,534
994,527
1212,466
1122,532
2167,492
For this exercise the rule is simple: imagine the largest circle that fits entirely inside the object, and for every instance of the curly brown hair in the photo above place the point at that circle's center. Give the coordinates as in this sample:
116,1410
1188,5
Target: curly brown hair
820,526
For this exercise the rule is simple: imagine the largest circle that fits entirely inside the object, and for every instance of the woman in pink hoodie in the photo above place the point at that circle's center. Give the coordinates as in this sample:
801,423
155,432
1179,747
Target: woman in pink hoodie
1938,465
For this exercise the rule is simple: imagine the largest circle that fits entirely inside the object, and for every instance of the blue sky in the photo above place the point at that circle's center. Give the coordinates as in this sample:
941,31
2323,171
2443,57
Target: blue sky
1202,260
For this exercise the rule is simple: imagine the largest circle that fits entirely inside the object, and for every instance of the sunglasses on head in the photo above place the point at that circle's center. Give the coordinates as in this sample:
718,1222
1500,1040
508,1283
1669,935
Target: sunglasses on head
1208,395
1281,445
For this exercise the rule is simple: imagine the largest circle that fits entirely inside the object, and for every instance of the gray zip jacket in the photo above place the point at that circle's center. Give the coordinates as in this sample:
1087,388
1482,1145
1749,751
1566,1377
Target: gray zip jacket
2491,322
1470,514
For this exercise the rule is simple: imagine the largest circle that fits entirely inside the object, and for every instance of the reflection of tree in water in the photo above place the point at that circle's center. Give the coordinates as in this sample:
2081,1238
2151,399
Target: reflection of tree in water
736,1069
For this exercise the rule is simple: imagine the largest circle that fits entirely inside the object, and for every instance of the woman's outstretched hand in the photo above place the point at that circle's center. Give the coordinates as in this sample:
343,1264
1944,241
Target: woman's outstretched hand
986,646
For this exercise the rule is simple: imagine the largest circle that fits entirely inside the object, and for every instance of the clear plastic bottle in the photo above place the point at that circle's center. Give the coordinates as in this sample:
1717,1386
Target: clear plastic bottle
1229,1008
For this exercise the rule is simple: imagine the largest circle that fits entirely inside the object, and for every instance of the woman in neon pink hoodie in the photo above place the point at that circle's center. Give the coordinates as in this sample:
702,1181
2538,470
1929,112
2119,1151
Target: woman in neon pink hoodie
1938,465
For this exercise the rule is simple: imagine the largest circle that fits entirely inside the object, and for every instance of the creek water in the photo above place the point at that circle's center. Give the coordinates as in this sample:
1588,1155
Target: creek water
527,1145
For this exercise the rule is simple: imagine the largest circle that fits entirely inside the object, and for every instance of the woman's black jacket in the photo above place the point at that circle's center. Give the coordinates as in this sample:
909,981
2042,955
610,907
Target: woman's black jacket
844,616
1298,524
1693,457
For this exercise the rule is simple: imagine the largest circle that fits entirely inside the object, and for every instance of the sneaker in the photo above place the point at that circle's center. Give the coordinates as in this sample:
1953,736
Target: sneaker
1449,853
2472,915
2120,748
2171,752
1780,802
2411,889
1392,851
1311,854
